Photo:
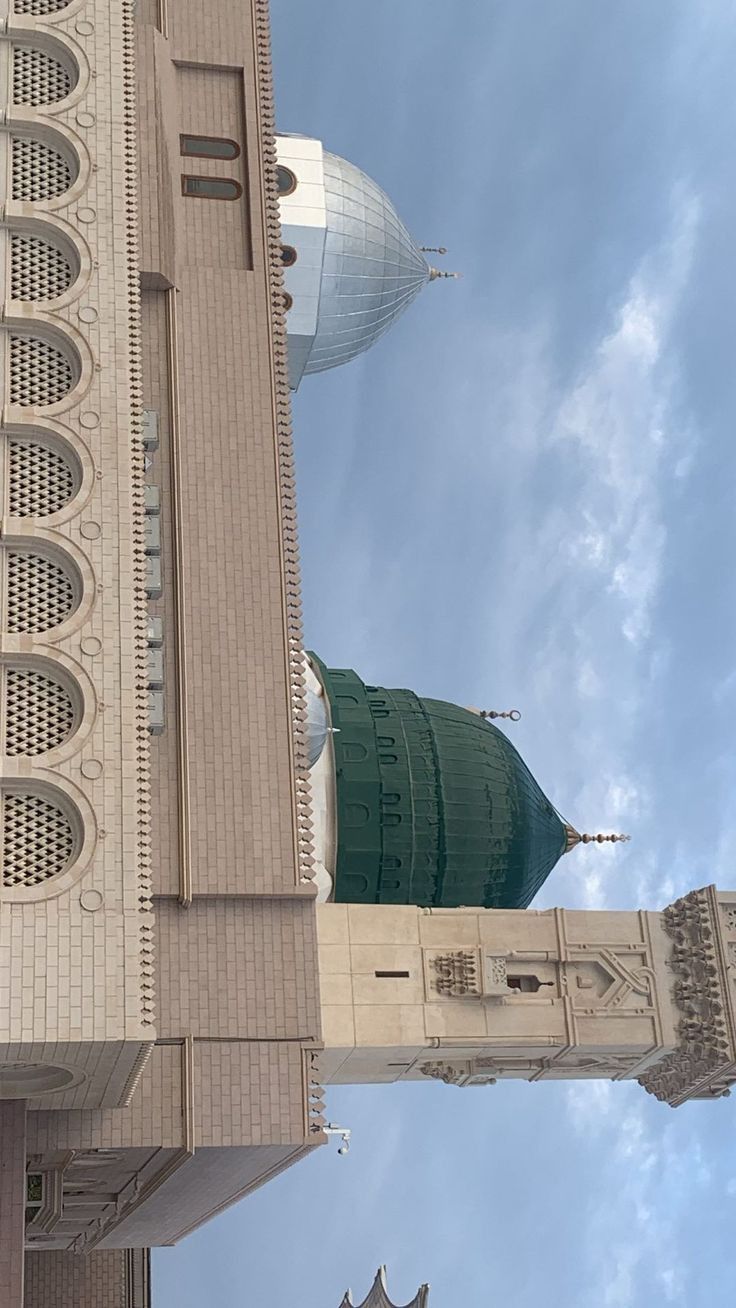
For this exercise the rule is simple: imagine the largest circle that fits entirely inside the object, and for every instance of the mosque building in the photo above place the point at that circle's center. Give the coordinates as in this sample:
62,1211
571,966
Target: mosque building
231,875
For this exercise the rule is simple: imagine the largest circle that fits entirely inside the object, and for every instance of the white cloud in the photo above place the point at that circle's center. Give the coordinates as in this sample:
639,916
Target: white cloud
630,1238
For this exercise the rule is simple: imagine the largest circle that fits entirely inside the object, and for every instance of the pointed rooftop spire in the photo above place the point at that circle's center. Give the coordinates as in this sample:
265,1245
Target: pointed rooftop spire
377,1296
433,249
435,274
583,838
512,714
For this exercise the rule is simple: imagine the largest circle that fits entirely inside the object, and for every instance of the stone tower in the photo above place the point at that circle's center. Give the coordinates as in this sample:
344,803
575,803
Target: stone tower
472,996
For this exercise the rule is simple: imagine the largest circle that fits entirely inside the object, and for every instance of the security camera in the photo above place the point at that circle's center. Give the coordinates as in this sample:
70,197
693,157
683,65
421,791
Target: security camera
344,1148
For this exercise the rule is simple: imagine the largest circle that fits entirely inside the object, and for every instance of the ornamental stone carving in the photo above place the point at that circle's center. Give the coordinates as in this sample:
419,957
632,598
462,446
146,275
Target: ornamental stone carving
461,1073
456,974
703,1062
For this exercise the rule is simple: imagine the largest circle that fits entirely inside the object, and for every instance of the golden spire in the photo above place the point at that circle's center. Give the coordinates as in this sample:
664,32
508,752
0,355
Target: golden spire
577,838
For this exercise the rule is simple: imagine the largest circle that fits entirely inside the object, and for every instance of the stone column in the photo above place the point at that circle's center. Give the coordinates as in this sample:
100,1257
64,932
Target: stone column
12,1201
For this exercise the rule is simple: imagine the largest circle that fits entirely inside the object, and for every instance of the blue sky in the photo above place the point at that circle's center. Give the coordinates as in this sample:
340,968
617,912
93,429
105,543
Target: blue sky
523,497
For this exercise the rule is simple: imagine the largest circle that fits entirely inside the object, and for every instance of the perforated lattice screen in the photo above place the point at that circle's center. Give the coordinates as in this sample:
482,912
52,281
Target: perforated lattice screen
39,713
40,481
39,171
37,839
38,269
40,594
39,7
40,373
38,78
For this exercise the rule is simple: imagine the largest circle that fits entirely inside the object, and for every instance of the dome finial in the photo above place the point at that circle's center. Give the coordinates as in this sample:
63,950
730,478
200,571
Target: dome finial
433,249
513,714
435,274
583,838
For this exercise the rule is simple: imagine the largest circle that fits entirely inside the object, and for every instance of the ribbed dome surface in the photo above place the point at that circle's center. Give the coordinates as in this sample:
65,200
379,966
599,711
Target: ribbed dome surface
372,267
435,806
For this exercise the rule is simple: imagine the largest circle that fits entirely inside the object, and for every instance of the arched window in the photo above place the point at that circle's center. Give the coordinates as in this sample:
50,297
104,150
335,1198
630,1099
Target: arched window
39,592
39,712
211,188
38,170
41,478
288,255
39,78
286,180
39,270
40,372
39,8
37,838
208,147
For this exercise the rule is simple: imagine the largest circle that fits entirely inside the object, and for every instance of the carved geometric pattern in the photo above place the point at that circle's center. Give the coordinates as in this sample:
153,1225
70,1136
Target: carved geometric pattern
37,839
702,1030
39,172
450,1073
730,915
496,970
40,593
38,78
457,974
39,713
39,372
40,479
38,269
39,7
464,1072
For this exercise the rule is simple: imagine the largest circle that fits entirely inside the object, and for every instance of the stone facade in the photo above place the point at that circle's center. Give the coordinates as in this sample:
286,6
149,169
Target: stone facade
160,488
76,1017
165,973
120,1279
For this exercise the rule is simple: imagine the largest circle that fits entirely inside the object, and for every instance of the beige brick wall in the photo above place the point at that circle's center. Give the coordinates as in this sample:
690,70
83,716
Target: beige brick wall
208,1183
65,1279
155,1116
235,1091
238,968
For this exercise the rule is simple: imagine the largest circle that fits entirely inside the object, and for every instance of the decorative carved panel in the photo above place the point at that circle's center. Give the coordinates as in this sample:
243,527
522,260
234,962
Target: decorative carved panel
460,1073
456,975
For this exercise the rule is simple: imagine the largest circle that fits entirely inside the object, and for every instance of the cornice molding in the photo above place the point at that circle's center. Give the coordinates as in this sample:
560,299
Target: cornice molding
703,1062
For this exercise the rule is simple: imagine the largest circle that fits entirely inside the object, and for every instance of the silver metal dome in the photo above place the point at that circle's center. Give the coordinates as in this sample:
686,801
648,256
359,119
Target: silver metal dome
372,267
318,726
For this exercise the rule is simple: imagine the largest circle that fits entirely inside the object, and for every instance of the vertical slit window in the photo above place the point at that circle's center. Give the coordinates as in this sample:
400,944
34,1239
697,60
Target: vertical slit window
211,188
208,147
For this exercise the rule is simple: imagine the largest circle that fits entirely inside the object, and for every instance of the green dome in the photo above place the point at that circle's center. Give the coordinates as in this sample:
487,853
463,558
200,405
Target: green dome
434,804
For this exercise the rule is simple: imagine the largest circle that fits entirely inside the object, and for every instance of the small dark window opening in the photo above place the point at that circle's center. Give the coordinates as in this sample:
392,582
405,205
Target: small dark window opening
288,301
286,180
526,985
211,188
394,974
209,147
288,255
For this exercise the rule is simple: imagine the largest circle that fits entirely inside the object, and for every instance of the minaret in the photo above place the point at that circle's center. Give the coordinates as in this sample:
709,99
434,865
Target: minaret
473,996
